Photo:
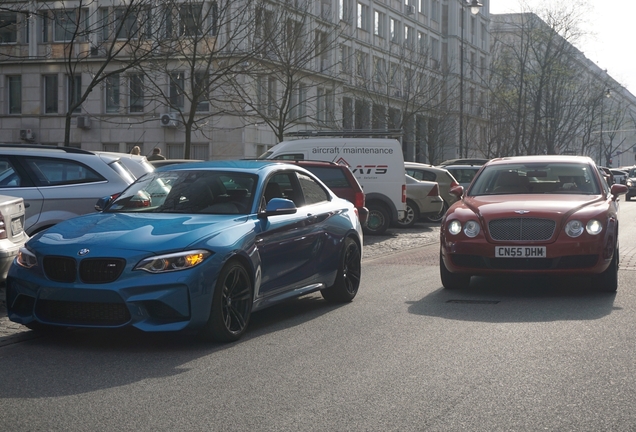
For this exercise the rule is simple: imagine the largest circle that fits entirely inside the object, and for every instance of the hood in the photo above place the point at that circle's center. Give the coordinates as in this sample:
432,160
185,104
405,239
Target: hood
134,231
491,206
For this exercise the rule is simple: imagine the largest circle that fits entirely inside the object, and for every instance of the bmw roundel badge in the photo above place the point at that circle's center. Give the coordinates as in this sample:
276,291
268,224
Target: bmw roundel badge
83,252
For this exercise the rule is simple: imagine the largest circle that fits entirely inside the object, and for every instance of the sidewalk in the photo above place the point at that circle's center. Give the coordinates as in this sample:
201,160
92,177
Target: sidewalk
395,240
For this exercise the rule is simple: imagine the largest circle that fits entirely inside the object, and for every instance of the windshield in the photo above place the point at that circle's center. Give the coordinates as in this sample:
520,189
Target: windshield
553,178
189,191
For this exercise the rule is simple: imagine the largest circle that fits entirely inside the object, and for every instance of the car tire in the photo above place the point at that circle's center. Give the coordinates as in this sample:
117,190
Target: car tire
439,216
628,198
452,280
608,280
347,281
412,215
378,220
231,304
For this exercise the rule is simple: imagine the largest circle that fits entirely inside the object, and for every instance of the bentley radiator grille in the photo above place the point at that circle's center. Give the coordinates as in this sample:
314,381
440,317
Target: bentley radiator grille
528,229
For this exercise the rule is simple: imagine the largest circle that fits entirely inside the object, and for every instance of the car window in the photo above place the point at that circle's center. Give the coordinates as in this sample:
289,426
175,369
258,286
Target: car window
312,191
196,192
463,175
284,185
555,178
333,177
9,178
421,174
53,172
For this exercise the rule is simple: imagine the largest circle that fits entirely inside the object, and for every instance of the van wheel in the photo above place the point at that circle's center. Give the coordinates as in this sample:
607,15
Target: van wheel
378,220
412,215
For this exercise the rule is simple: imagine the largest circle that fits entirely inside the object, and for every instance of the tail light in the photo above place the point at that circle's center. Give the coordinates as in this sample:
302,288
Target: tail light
453,184
434,191
404,193
358,200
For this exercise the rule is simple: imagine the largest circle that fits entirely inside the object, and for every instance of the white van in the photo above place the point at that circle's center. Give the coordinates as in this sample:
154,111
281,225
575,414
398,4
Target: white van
377,164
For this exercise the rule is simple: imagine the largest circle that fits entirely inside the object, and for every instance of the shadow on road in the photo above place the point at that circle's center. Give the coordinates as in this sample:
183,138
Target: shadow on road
506,300
71,362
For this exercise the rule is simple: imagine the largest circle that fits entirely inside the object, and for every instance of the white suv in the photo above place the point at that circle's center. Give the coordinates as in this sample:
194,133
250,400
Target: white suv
58,183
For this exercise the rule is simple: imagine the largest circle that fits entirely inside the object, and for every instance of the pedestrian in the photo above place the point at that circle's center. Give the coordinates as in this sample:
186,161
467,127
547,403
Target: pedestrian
135,150
156,154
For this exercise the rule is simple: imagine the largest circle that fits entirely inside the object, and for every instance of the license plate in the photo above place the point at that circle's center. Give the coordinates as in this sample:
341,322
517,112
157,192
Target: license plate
520,252
16,226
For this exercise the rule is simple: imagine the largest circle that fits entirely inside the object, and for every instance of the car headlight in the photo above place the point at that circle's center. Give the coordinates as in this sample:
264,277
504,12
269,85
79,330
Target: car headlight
455,227
593,227
629,182
471,229
26,258
574,228
173,262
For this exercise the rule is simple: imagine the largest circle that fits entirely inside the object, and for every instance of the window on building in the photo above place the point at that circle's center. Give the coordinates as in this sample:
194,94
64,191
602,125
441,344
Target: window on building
422,42
345,58
50,94
8,27
201,89
435,51
302,101
70,25
14,84
200,151
362,114
175,150
345,11
330,106
264,25
112,93
379,24
409,36
379,70
74,92
320,105
435,10
363,16
136,95
394,33
186,20
361,63
347,113
423,7
177,98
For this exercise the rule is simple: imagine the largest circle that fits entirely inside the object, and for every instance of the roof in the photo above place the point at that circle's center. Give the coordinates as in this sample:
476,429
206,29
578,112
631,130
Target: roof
542,159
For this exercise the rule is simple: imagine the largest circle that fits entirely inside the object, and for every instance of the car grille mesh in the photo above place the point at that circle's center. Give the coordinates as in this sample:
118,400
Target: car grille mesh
101,270
60,269
82,313
527,229
91,270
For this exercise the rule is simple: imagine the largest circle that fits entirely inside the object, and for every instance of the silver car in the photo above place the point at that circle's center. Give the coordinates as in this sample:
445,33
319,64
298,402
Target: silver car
422,200
441,176
12,235
58,183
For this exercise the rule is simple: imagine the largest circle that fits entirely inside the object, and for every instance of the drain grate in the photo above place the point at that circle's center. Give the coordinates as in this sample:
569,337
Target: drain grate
473,301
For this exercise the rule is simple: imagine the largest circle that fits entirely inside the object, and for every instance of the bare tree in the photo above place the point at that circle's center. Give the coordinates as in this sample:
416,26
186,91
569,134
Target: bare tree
200,45
94,45
293,69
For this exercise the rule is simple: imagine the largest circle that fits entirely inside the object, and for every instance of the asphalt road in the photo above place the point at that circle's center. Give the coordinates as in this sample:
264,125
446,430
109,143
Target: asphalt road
405,355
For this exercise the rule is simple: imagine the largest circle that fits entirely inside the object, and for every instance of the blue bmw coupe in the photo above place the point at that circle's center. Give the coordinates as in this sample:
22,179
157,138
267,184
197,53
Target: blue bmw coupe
196,245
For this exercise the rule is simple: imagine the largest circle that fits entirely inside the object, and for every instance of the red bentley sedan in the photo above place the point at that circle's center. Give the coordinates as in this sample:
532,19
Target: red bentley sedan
528,215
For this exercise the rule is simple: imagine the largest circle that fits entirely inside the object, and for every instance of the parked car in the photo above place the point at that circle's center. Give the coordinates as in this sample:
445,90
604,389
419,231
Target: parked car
138,165
58,183
531,215
340,180
464,161
441,176
377,164
630,183
12,235
163,162
607,174
191,246
620,176
464,174
422,201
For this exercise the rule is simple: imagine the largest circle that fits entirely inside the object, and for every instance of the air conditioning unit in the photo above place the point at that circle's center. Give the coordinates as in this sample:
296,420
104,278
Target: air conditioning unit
83,122
410,10
169,120
27,135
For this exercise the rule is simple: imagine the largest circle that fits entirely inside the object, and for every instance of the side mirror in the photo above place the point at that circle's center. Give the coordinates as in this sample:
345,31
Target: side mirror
618,189
458,191
279,206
